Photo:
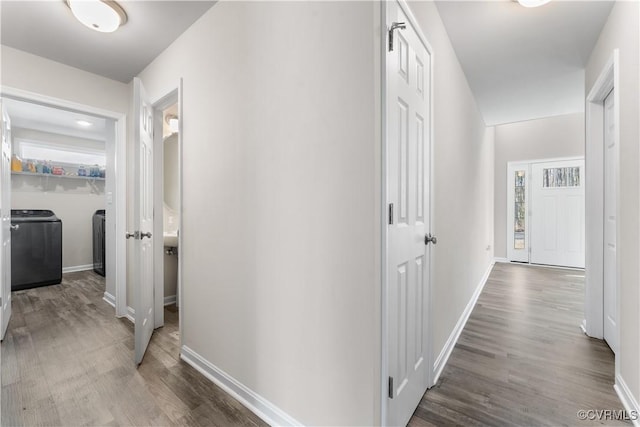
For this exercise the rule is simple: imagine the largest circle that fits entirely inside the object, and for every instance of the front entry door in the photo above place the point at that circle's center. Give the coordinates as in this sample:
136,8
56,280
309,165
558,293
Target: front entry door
143,221
5,222
557,221
408,172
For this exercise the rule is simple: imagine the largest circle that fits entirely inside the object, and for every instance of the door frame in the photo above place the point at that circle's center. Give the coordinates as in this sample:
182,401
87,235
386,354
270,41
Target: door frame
609,78
527,164
384,372
172,97
116,271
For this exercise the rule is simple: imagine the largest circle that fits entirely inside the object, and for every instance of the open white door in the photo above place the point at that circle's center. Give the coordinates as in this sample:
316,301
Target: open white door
408,182
5,223
143,220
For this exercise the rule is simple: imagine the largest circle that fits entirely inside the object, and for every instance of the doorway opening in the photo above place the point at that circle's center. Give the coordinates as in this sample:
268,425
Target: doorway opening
168,196
62,178
602,303
546,211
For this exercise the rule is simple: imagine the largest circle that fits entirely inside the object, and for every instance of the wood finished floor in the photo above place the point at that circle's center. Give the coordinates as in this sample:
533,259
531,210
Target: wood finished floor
66,361
522,358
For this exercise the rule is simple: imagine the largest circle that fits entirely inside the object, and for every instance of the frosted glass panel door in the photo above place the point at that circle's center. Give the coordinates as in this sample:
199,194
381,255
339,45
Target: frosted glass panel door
517,212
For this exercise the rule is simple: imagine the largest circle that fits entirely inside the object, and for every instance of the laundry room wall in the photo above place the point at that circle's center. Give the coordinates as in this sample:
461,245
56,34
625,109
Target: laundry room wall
551,137
74,201
32,73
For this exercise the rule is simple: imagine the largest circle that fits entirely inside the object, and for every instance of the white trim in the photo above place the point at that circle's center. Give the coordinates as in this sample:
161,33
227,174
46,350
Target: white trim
109,299
628,401
131,314
594,200
257,404
529,264
499,259
119,275
75,268
171,299
443,357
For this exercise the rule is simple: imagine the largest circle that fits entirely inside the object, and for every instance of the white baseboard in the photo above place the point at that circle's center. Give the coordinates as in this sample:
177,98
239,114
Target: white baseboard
75,268
496,259
443,357
260,406
628,401
109,299
171,299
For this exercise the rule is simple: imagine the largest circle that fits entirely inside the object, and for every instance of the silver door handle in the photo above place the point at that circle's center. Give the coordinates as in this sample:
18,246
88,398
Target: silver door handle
14,227
129,235
147,235
428,238
395,26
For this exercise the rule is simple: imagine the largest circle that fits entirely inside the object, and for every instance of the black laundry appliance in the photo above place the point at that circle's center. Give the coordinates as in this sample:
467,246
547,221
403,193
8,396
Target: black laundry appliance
36,249
98,242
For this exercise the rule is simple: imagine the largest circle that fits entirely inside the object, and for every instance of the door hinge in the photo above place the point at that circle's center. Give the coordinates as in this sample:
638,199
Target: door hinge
395,26
390,387
390,213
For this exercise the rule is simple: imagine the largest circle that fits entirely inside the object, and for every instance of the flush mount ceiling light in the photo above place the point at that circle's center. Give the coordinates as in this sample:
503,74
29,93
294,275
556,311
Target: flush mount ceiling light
100,15
84,123
533,3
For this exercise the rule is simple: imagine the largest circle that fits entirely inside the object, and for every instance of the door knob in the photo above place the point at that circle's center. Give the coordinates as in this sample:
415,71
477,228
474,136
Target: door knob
130,235
147,235
15,227
428,238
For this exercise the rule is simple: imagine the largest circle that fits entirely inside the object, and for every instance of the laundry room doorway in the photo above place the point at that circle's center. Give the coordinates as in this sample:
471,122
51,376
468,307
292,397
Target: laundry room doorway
63,177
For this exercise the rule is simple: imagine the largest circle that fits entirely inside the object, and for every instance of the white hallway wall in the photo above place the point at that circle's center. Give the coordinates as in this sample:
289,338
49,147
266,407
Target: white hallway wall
559,136
282,192
464,173
24,71
622,31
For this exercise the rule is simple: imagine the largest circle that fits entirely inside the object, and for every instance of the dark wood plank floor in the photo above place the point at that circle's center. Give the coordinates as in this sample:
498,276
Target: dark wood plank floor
66,361
522,358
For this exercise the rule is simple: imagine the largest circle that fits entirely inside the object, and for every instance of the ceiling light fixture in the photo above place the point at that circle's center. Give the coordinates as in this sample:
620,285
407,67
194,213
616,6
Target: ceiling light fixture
84,123
533,3
104,16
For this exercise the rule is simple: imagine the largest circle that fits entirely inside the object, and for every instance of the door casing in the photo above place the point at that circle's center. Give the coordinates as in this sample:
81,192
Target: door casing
116,271
609,78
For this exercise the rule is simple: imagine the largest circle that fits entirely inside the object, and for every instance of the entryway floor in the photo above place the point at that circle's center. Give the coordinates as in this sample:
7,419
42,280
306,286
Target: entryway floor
522,358
66,361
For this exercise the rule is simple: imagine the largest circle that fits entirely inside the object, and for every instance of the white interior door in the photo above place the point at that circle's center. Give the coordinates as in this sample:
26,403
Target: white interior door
518,212
610,220
143,221
5,223
557,213
408,180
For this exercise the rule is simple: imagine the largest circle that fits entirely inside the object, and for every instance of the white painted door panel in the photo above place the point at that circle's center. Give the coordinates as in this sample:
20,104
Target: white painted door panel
408,172
5,222
610,222
557,213
143,221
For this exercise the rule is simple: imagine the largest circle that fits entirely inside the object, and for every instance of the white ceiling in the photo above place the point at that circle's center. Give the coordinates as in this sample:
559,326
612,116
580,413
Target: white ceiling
49,29
524,63
27,115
